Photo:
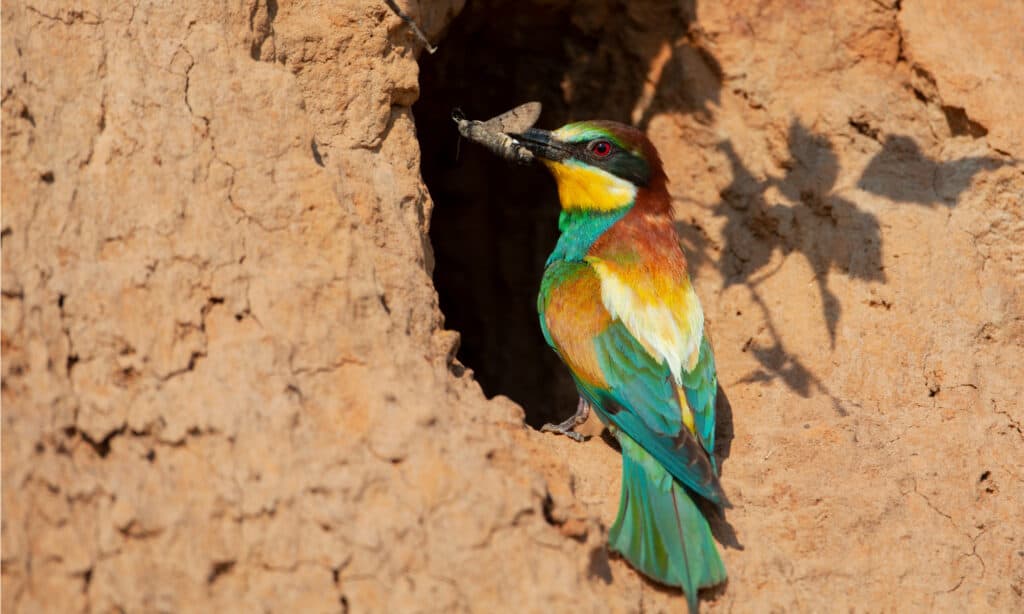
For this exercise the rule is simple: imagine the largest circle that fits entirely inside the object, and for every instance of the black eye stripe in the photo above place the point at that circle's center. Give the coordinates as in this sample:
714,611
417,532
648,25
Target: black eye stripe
619,161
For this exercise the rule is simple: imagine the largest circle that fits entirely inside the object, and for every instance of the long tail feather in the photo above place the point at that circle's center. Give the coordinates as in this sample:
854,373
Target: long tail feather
660,530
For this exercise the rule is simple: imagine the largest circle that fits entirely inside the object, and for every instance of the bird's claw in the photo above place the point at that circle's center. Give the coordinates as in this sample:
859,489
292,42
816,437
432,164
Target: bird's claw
565,428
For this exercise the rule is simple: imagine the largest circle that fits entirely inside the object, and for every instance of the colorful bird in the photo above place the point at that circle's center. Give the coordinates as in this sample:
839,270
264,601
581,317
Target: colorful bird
617,305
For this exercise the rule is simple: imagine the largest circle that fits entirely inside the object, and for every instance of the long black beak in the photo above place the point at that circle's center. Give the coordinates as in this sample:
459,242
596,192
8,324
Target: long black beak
542,144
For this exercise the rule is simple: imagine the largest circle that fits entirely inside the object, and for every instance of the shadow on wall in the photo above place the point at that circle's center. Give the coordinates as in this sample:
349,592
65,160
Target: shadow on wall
829,231
900,170
494,224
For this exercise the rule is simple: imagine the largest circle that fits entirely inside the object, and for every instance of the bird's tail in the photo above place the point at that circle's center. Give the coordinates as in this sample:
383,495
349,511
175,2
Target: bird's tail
659,529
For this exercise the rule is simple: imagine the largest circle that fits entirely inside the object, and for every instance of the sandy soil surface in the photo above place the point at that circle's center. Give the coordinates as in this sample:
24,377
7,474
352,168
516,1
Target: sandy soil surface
230,244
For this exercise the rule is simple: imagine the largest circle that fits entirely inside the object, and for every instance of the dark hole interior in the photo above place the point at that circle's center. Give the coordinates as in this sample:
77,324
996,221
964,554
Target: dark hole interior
494,223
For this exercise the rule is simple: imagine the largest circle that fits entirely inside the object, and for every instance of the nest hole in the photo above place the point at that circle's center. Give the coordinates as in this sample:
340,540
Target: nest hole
494,223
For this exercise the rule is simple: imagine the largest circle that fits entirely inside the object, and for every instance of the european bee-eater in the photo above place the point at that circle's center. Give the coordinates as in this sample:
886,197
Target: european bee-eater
617,305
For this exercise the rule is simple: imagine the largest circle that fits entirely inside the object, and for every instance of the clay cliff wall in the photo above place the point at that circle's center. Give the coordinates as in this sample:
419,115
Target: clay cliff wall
241,245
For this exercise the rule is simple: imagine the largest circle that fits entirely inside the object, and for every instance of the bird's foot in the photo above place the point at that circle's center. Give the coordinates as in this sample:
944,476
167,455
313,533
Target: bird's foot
567,427
563,428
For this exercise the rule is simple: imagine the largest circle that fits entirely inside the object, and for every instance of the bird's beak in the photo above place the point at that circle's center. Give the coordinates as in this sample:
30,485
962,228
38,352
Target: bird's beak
542,144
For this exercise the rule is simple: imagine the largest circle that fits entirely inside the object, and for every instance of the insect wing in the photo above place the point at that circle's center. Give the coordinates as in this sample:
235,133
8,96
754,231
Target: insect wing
516,120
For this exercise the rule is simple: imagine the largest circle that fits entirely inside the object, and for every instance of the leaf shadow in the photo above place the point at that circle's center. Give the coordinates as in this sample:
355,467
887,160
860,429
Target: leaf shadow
903,173
804,212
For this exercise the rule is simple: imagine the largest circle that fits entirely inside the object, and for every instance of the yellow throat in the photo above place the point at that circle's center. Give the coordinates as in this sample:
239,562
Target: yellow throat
588,188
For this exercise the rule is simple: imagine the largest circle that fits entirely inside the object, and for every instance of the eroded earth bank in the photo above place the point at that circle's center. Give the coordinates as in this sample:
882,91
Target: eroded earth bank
241,242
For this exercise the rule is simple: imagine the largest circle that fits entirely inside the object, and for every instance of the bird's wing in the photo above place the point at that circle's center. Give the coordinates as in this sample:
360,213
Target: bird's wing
699,388
653,297
631,388
643,400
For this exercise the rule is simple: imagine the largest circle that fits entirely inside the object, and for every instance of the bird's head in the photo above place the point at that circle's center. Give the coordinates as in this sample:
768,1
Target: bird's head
598,165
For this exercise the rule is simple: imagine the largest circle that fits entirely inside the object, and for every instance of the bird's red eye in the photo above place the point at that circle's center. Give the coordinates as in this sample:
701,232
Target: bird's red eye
601,148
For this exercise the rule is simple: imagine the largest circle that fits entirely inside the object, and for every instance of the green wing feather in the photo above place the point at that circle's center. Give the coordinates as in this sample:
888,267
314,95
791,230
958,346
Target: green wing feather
701,388
642,400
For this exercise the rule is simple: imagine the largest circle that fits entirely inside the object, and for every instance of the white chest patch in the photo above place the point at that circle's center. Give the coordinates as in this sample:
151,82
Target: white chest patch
669,327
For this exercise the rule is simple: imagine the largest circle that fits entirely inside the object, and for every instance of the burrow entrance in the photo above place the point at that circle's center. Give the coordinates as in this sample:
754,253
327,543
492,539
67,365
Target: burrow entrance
495,223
